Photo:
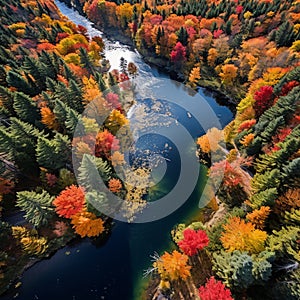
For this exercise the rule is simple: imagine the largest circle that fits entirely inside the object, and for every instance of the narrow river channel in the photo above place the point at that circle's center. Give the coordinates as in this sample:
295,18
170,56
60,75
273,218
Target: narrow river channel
114,269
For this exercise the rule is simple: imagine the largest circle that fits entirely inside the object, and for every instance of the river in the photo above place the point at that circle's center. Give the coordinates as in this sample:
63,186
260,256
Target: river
113,270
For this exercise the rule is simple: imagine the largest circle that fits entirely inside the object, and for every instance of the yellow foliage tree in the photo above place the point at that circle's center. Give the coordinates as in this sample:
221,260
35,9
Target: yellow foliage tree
212,56
116,120
173,266
194,76
29,240
228,74
203,143
87,224
239,235
117,158
259,216
210,141
34,245
91,89
125,13
273,75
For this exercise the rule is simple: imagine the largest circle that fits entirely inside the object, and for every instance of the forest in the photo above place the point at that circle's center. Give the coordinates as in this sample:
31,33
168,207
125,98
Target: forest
51,70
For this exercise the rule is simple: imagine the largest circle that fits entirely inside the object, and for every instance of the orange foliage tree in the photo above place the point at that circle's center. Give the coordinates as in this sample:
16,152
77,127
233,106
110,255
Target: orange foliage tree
114,185
239,235
48,118
87,224
173,266
69,202
259,216
105,143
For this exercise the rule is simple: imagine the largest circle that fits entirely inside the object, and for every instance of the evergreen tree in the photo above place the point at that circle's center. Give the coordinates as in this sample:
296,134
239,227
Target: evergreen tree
37,69
52,62
183,36
285,35
66,116
86,61
37,206
92,171
16,80
53,154
25,108
7,99
101,83
264,198
123,65
285,242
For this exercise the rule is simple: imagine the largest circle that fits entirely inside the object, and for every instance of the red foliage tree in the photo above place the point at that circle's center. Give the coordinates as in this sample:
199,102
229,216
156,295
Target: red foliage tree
178,54
214,290
105,144
113,100
239,9
61,35
263,99
288,87
217,33
69,202
193,241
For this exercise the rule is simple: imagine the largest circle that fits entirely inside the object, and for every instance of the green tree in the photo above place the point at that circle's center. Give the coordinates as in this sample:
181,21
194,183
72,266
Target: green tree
37,206
25,108
55,153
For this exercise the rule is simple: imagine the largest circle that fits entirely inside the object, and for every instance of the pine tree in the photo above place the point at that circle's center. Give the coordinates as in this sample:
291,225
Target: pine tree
86,61
291,173
37,69
37,207
270,130
234,268
101,83
25,136
66,116
123,65
285,242
264,198
183,36
52,62
292,217
25,108
72,95
263,181
16,80
7,99
262,266
6,141
53,154
285,35
92,171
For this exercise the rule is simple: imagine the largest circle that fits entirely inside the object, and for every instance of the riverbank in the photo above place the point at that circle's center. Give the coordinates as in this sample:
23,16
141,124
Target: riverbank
213,85
12,280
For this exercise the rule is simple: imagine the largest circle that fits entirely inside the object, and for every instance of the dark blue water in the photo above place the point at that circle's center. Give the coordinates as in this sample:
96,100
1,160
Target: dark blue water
113,270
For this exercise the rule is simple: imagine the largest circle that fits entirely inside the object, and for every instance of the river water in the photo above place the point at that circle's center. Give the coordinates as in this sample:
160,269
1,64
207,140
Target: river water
113,269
